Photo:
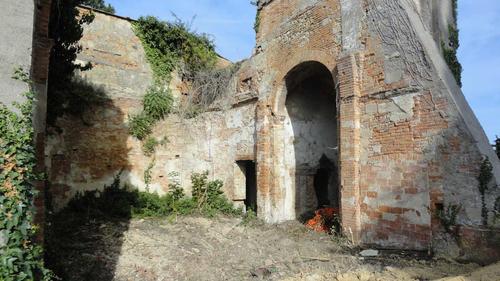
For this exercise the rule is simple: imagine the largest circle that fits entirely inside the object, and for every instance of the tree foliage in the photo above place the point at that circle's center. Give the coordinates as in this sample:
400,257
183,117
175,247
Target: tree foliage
100,5
66,93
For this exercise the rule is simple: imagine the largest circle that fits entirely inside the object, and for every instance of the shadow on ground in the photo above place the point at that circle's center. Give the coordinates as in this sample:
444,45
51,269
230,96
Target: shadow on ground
84,239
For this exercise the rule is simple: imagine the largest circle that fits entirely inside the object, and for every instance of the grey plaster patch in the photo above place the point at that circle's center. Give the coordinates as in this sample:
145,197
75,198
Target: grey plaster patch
452,89
16,45
352,12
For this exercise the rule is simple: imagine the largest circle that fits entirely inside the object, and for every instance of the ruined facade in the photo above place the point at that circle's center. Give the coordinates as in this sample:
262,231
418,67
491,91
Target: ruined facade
351,93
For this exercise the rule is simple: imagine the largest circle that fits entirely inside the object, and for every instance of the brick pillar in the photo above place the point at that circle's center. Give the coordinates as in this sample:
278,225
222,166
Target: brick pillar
349,84
264,159
39,75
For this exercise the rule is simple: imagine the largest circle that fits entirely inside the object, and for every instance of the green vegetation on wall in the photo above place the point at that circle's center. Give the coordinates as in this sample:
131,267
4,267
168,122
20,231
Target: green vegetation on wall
20,258
100,5
485,176
450,49
123,202
448,216
168,46
256,24
450,54
157,104
173,46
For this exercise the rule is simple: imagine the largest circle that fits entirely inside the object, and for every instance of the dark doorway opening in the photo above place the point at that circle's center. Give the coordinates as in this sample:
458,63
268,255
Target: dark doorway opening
312,129
248,168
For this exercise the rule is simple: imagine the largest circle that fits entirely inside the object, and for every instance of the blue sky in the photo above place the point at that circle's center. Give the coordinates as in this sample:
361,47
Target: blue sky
231,24
479,53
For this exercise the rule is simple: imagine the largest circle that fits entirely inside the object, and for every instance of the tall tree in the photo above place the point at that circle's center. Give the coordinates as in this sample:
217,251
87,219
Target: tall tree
99,4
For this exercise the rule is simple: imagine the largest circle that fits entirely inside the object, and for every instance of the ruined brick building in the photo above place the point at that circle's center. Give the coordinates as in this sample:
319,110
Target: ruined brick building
358,88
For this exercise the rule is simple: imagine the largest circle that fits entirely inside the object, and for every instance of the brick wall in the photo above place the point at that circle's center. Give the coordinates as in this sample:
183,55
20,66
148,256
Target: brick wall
86,153
404,147
39,75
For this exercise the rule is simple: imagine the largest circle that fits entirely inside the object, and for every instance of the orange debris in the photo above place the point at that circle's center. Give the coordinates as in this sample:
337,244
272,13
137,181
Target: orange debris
323,220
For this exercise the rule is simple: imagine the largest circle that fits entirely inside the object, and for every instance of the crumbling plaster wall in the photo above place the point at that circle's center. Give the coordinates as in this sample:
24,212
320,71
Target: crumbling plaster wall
419,127
309,132
87,153
16,45
409,142
290,33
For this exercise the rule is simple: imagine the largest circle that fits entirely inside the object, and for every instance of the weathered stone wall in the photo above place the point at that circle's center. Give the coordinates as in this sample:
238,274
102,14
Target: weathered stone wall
419,151
437,16
290,33
86,153
408,142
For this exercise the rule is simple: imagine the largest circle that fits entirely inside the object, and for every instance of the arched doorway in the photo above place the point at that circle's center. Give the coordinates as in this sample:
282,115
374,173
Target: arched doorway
311,138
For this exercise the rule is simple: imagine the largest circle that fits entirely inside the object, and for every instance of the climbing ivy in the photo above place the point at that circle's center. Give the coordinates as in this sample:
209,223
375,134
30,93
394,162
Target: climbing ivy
20,258
485,176
172,45
168,46
157,103
448,216
256,24
450,54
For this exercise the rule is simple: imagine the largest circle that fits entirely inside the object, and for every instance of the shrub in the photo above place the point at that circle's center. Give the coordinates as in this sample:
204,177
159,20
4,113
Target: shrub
484,178
99,4
116,202
249,218
149,146
448,216
209,196
496,209
140,126
20,257
157,103
450,54
112,202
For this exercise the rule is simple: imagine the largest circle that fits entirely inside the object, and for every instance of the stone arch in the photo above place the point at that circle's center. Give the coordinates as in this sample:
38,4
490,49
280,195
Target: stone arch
299,140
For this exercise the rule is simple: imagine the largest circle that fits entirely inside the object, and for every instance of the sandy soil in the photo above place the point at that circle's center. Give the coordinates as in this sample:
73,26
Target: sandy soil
192,248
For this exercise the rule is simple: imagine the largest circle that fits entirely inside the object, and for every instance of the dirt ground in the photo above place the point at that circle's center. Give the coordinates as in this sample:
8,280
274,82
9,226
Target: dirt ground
193,248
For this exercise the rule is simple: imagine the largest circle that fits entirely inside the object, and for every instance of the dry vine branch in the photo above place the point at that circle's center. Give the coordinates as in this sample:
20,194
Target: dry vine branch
206,87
